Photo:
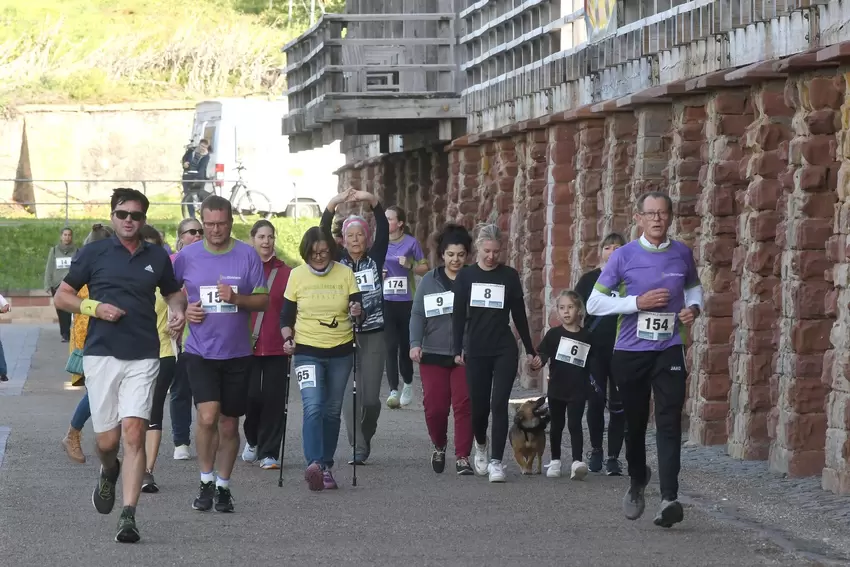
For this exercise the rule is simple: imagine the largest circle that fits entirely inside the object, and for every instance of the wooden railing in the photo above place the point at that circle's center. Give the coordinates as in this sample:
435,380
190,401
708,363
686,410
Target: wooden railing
368,56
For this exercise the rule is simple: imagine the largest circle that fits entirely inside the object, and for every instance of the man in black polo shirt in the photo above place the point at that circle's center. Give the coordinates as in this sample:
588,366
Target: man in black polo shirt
121,354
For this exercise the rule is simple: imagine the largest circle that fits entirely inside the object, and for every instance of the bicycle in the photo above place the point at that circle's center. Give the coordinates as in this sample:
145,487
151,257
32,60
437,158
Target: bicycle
245,201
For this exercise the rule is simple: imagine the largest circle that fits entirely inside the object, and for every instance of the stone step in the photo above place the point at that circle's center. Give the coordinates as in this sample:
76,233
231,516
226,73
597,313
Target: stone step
30,315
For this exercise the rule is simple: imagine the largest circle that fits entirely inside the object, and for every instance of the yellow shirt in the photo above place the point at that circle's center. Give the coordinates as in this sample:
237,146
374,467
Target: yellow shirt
321,301
165,348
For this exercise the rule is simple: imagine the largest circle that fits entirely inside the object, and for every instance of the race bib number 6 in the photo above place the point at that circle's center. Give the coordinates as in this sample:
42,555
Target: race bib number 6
306,376
395,286
365,280
439,303
655,326
572,351
487,295
212,303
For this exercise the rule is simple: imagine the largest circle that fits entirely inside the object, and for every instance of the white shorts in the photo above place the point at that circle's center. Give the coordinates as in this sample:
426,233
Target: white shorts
119,389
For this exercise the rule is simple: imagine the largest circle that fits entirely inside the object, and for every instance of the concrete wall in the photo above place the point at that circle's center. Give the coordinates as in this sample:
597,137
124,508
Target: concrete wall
759,178
111,142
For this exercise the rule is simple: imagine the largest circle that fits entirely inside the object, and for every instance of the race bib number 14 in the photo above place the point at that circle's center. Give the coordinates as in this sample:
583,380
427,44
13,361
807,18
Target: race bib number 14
487,295
212,303
63,263
655,326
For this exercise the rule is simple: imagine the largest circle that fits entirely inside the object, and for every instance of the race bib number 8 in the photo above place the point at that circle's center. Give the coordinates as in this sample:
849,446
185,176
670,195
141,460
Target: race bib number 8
655,326
572,352
63,263
365,280
439,303
395,286
488,295
212,303
306,376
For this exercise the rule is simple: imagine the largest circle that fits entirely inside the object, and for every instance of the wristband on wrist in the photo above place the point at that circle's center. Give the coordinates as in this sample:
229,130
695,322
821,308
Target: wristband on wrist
88,307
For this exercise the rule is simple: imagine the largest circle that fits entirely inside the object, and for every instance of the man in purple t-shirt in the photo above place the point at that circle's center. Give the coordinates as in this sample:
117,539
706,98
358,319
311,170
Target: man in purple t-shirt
224,282
652,284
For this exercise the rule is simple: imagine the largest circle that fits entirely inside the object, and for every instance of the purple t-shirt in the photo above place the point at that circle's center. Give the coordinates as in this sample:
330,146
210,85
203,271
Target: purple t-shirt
226,330
399,283
634,270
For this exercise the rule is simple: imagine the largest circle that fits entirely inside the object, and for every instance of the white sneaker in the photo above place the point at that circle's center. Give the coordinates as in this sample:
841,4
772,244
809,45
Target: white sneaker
496,470
406,395
553,469
578,471
392,400
182,453
481,460
249,454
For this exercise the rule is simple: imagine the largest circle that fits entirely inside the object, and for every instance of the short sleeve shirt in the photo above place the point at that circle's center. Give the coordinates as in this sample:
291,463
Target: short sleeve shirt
128,281
225,332
322,320
408,248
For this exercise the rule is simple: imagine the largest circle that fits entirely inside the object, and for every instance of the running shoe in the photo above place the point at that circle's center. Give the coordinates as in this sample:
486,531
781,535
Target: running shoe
438,459
149,484
103,497
127,530
206,494
223,499
314,477
328,480
406,395
463,468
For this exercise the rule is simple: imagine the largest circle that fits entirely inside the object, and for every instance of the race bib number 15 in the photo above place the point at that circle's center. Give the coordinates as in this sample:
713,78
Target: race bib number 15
487,295
655,326
212,303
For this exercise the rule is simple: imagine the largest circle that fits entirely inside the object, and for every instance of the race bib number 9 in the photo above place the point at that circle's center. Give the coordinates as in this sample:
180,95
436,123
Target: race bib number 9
439,303
212,303
63,263
487,295
572,352
395,286
365,280
306,376
655,326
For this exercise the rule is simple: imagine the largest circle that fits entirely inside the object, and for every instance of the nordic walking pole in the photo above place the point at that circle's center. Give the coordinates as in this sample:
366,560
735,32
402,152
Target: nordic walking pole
355,414
287,378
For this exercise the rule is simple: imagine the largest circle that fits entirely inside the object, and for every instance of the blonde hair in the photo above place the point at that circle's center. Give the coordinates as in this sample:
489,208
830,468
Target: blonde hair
577,300
181,228
487,232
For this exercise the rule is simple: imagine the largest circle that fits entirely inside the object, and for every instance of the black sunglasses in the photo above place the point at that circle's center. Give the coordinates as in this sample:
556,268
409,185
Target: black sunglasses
135,215
193,232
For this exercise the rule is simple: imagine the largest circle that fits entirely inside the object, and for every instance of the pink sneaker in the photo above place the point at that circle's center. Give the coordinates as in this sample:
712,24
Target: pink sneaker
313,476
328,480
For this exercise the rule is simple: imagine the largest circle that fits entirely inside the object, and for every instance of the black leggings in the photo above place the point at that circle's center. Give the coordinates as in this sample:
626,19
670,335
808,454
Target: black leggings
266,399
397,327
573,411
490,380
602,384
163,383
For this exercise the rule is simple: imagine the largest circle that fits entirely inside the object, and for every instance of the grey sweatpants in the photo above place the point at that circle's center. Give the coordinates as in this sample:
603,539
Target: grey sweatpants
371,355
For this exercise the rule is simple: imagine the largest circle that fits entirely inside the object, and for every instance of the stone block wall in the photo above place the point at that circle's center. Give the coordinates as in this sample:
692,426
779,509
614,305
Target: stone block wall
759,176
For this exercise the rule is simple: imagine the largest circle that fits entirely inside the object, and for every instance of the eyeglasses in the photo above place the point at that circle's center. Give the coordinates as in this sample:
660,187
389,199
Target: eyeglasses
135,215
655,214
321,254
193,232
211,225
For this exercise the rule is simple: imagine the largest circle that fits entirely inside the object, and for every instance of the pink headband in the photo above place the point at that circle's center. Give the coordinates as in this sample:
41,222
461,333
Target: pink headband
354,219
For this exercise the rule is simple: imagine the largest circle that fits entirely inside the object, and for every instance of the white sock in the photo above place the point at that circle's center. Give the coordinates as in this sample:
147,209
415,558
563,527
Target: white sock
222,482
207,476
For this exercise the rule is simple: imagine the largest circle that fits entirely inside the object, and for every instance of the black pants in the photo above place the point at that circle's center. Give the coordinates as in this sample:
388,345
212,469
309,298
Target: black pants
64,319
490,380
181,404
569,414
640,375
264,418
164,379
602,385
397,327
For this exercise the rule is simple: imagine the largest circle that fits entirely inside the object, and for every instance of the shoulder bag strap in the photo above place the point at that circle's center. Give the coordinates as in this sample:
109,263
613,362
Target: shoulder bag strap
259,323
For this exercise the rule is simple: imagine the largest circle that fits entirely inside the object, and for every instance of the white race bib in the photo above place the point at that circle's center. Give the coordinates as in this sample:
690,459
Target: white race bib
212,303
487,295
365,280
439,303
655,326
306,376
63,263
572,351
395,286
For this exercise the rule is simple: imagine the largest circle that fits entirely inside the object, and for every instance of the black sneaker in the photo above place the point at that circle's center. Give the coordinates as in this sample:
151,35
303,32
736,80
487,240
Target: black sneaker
4,378
149,484
670,513
634,502
438,459
594,460
223,499
613,467
206,493
103,497
463,467
127,530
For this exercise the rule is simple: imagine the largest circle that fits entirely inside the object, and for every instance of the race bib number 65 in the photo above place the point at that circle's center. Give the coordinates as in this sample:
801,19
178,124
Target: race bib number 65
487,295
655,326
212,303
306,376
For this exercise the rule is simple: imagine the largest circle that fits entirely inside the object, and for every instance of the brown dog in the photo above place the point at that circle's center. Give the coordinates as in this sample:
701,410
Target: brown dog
528,434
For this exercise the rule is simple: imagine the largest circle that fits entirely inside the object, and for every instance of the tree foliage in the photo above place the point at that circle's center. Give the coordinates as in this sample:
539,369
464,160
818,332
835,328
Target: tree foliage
295,14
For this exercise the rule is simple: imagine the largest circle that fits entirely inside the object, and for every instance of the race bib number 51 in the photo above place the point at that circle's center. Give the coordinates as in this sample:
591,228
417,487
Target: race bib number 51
487,295
365,280
655,326
306,376
572,351
212,303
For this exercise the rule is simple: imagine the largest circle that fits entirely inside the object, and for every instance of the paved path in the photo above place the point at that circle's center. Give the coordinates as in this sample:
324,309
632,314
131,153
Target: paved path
400,512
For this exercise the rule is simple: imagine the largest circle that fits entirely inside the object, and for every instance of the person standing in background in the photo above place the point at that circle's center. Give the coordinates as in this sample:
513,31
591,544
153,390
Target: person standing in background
4,372
58,262
404,261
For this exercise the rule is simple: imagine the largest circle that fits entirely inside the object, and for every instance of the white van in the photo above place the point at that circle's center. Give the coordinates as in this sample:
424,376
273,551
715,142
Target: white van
248,131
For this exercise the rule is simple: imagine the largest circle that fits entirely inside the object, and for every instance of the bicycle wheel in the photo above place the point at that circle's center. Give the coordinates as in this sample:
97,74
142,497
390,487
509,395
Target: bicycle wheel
254,203
192,199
